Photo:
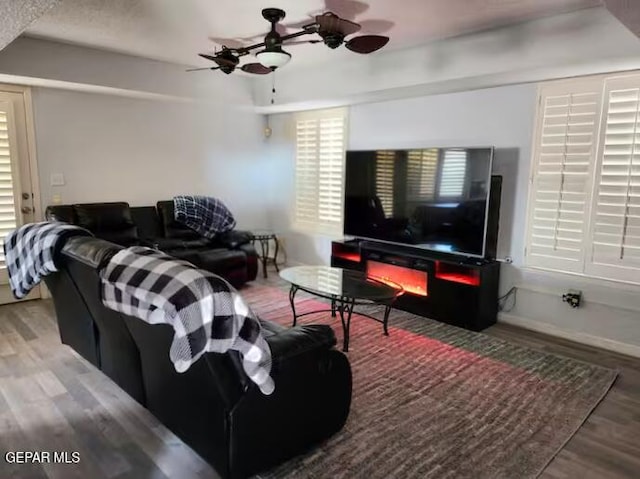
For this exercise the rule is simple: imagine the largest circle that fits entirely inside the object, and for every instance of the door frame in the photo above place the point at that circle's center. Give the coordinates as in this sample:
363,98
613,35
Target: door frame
38,213
27,99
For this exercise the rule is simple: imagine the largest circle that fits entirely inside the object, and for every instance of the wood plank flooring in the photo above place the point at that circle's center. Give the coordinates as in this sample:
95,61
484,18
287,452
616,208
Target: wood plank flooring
53,400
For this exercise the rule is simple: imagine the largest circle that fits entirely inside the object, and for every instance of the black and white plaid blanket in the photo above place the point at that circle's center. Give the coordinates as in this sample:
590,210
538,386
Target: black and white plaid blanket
30,250
208,216
206,313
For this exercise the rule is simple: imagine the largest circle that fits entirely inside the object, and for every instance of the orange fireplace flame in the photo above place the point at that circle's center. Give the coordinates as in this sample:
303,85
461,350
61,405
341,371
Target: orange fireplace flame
412,280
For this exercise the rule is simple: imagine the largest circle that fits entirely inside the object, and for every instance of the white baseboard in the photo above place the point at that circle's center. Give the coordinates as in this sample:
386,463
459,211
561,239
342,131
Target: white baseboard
546,328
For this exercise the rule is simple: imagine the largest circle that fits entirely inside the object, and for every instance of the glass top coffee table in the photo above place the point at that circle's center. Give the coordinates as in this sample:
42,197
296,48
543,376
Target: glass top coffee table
345,289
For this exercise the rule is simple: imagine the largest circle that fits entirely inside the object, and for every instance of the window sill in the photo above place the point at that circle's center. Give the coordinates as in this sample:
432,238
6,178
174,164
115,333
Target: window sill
317,230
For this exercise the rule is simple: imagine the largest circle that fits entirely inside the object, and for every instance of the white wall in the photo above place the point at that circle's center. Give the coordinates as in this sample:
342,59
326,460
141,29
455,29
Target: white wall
502,117
111,148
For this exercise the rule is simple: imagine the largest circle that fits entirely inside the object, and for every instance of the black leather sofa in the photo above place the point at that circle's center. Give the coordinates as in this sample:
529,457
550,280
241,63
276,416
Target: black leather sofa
231,255
213,406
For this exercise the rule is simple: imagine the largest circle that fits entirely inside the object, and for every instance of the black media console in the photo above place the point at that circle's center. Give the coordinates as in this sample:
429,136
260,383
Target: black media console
454,290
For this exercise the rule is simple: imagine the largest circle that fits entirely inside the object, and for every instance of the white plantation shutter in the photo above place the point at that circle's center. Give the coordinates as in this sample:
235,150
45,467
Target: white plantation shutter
454,169
320,150
8,215
615,220
385,165
560,191
331,168
422,169
306,171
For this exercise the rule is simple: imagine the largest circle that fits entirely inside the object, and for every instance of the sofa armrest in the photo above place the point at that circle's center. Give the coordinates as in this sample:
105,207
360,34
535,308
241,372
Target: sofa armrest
234,238
300,340
298,346
310,403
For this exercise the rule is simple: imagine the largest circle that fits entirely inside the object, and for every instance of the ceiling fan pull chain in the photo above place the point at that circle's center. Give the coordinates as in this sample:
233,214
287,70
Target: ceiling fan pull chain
273,88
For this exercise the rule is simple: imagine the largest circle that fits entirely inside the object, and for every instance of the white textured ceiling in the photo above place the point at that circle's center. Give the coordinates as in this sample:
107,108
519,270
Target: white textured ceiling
16,15
176,30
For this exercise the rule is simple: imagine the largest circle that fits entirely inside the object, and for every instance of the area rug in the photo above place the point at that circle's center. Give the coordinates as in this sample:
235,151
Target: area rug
435,401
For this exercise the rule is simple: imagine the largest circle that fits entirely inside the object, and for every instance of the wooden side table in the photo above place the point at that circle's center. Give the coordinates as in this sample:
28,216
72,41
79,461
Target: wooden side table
264,239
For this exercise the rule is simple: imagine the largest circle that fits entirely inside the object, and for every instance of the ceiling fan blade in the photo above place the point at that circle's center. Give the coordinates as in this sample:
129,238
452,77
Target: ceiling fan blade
200,69
208,57
366,43
220,60
256,69
332,23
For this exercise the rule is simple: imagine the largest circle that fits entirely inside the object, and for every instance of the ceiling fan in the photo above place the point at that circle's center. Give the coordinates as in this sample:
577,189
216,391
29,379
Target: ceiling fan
332,30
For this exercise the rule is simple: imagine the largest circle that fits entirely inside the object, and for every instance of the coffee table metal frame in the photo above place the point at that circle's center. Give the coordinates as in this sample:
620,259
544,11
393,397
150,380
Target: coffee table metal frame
344,305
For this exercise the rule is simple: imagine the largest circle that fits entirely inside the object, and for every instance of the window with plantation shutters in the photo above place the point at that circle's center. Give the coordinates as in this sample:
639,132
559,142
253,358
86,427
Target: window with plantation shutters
454,170
565,146
385,166
615,220
320,150
8,217
422,171
584,203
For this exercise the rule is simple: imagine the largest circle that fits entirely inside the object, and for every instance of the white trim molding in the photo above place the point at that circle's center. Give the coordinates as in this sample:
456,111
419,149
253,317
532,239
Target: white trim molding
576,336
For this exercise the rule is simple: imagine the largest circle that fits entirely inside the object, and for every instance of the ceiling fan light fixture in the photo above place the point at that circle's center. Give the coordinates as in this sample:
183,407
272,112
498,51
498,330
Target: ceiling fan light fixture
273,58
332,30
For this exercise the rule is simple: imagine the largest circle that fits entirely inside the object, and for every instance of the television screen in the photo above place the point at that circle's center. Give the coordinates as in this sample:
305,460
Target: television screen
433,198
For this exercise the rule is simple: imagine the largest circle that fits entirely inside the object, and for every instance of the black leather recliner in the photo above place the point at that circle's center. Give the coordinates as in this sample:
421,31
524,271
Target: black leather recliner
213,406
231,252
230,255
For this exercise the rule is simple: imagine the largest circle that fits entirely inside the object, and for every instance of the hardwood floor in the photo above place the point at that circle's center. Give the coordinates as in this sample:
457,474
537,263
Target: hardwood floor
53,400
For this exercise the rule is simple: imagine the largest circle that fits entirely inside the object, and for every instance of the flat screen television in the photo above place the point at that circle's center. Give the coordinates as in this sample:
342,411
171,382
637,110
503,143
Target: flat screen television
431,198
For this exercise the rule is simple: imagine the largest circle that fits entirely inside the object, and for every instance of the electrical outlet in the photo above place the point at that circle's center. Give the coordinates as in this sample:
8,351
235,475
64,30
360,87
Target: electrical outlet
573,298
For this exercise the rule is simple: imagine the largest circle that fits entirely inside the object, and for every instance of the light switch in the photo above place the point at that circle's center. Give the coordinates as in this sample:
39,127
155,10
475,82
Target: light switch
57,179
56,199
